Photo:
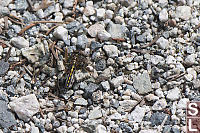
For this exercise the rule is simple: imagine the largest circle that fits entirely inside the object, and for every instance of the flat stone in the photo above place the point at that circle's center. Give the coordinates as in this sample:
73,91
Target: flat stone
101,13
94,29
142,83
21,5
157,118
183,12
34,53
137,114
116,30
173,94
116,82
95,113
81,101
127,105
25,107
111,50
68,3
105,85
19,42
115,116
7,118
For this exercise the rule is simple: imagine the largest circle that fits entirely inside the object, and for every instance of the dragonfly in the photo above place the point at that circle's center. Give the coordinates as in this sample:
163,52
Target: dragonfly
73,61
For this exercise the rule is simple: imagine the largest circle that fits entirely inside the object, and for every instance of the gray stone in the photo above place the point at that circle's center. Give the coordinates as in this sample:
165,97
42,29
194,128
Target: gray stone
117,30
116,82
173,94
34,53
157,118
4,11
163,15
109,14
196,84
137,114
48,70
25,107
156,59
182,104
94,29
4,66
61,33
19,42
82,41
111,50
101,13
73,114
162,43
95,113
7,119
21,5
81,101
183,12
142,83
148,131
115,116
49,10
5,2
100,65
34,129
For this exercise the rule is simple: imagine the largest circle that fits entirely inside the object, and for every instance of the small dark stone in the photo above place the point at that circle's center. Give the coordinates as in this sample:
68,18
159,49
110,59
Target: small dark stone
114,103
100,65
4,66
95,45
10,90
82,110
125,128
157,118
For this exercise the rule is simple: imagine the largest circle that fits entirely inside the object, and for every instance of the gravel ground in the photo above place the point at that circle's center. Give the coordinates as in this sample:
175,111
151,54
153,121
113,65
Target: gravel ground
134,64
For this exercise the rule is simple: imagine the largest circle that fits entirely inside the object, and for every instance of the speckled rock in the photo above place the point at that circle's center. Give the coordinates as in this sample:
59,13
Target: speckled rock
183,12
111,50
94,29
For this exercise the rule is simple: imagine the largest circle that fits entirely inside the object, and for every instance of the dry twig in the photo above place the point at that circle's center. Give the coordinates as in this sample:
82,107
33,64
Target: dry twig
74,8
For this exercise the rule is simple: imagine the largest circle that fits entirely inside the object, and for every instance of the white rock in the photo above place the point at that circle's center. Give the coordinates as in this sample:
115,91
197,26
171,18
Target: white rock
70,129
73,114
191,59
68,3
61,33
1,50
104,35
163,15
159,105
162,43
170,60
192,72
116,82
105,85
34,129
25,106
101,13
89,10
95,113
101,129
148,131
159,93
116,116
151,97
19,42
94,29
81,101
111,50
183,12
137,114
155,59
173,94
109,14
182,104
62,129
